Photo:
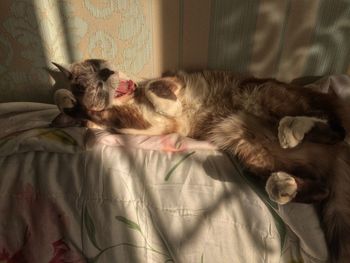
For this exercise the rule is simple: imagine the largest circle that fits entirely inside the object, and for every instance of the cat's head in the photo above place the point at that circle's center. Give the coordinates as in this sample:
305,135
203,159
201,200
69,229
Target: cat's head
95,83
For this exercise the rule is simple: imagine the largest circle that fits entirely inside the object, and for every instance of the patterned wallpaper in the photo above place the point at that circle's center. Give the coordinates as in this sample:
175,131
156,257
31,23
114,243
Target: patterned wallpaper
34,33
269,38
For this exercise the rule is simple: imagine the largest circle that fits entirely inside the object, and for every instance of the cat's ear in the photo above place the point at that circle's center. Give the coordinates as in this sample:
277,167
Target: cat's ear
64,70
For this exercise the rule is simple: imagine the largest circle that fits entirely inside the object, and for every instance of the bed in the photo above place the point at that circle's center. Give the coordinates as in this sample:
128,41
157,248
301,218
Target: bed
81,195
77,195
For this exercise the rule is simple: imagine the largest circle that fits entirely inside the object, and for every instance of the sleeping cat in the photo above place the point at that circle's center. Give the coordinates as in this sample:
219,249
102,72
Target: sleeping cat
290,137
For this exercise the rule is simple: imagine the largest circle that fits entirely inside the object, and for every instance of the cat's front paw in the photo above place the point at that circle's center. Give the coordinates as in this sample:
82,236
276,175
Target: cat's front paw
64,99
291,130
281,187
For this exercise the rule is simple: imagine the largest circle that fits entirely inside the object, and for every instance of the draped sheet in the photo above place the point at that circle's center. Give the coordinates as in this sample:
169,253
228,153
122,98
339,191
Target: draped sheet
79,195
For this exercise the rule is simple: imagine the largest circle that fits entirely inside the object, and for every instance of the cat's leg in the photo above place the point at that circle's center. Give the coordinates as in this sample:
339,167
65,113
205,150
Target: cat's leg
291,130
281,187
70,114
64,99
256,144
308,108
284,188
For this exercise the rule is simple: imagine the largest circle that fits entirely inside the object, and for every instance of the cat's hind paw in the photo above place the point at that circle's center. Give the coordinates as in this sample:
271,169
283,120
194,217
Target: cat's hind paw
64,99
281,187
291,130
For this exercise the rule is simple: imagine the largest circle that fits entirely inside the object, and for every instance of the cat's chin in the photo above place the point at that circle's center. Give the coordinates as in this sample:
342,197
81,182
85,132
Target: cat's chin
98,105
124,99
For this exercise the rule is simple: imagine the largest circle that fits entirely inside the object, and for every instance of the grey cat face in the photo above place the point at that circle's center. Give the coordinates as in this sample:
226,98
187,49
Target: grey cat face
92,82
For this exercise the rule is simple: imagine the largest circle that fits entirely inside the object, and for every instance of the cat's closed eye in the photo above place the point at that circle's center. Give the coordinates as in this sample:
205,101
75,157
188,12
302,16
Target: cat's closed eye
105,73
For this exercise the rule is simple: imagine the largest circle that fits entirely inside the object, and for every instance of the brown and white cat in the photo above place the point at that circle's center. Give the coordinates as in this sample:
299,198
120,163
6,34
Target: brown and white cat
290,137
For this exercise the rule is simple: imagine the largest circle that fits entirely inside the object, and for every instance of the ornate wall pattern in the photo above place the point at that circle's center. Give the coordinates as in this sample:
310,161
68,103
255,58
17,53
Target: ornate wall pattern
34,33
270,38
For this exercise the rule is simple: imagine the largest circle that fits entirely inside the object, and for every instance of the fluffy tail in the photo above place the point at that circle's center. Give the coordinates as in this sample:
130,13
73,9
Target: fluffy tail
336,210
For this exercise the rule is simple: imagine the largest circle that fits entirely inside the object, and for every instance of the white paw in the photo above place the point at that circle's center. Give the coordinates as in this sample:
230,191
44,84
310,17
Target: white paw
291,130
281,187
64,99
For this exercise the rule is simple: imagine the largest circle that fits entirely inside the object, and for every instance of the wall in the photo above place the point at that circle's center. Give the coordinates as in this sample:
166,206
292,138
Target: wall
278,38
